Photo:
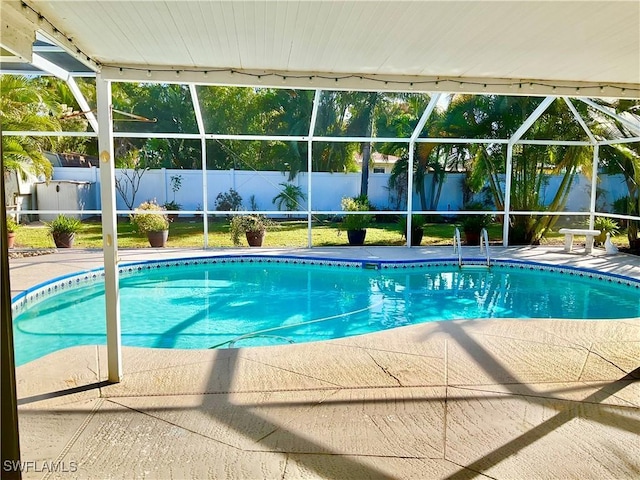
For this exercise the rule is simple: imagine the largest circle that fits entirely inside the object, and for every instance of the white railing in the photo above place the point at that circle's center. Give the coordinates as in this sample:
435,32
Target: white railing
484,245
457,246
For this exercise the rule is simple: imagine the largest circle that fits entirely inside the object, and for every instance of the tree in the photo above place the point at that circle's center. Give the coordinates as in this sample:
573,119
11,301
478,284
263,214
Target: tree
24,107
492,116
171,108
622,158
431,160
290,197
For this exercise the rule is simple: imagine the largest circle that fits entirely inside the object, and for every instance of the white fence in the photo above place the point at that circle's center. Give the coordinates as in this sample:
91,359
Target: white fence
327,189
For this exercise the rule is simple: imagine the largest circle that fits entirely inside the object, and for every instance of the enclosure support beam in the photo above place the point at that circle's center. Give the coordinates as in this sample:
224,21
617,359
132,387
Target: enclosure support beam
507,196
433,101
633,127
49,67
9,417
203,146
109,228
408,223
312,129
594,185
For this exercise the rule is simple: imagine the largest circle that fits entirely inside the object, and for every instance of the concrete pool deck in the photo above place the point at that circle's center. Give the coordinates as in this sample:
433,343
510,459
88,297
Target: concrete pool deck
459,399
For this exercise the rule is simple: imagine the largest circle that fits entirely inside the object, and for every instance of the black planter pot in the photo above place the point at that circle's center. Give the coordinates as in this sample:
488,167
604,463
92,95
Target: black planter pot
356,237
416,237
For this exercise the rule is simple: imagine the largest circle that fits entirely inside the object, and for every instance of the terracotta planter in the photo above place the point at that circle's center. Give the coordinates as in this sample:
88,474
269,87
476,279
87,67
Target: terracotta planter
255,239
356,237
63,240
158,239
11,239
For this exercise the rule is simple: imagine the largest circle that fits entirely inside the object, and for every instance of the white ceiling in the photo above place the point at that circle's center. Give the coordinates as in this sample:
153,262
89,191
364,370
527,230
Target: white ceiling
556,42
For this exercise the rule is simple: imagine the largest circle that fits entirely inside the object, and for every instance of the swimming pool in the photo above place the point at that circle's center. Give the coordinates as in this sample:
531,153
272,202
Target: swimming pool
232,301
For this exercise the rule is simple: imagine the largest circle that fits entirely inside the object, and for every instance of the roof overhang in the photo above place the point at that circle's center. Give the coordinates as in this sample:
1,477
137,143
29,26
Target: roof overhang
589,48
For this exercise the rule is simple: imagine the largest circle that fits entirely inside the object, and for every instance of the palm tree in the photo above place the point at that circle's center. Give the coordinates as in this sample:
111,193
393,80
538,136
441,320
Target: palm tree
622,158
431,160
24,108
290,197
492,116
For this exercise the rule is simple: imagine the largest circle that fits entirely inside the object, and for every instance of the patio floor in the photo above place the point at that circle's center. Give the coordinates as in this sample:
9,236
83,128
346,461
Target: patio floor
459,399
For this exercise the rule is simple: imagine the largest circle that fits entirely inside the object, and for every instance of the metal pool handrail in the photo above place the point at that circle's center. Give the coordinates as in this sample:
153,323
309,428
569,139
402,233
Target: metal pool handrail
484,244
457,245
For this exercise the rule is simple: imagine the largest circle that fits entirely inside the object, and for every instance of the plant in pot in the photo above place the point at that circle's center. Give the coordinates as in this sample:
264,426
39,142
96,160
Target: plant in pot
63,229
356,224
417,228
12,228
605,225
472,225
151,219
254,228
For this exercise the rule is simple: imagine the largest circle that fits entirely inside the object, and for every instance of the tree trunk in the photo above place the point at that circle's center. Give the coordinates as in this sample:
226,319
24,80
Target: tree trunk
366,156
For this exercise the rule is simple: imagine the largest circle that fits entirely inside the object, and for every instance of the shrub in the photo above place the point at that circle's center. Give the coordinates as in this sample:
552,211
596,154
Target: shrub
356,222
241,224
474,223
417,223
65,225
150,222
290,197
12,225
605,225
228,201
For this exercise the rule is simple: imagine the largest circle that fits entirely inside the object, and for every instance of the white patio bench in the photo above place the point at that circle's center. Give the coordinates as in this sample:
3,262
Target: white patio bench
570,232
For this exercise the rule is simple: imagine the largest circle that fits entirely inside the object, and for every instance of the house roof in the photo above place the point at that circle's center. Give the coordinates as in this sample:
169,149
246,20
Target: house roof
475,45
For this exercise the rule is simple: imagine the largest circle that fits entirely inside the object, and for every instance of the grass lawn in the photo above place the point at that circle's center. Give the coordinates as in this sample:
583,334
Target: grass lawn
188,233
287,233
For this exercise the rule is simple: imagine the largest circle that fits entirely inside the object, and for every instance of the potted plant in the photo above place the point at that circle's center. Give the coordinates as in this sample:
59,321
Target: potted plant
254,228
605,225
12,228
356,225
472,225
417,228
63,230
151,220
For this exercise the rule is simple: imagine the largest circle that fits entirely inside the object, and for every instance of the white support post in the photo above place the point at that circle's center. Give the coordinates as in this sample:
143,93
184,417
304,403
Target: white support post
433,101
203,148
507,196
205,194
109,229
594,185
312,128
412,148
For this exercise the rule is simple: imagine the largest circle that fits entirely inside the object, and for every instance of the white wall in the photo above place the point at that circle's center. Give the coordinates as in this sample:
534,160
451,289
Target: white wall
328,188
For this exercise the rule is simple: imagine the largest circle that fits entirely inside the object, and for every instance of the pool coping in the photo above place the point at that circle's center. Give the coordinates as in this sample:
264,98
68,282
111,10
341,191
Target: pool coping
72,280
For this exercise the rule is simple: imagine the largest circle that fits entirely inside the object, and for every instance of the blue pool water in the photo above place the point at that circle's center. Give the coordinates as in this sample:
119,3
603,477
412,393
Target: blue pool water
246,304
